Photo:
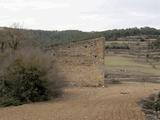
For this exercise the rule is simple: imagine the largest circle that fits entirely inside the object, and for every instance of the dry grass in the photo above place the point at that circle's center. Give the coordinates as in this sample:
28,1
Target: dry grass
129,64
88,104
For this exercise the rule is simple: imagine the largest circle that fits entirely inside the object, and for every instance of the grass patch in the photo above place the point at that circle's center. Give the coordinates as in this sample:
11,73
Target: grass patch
119,62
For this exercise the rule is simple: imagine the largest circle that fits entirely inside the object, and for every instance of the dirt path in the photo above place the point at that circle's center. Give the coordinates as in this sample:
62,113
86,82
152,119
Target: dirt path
116,102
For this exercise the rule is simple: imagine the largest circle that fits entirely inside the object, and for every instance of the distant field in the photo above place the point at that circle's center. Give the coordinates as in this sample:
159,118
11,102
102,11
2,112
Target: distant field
130,64
110,42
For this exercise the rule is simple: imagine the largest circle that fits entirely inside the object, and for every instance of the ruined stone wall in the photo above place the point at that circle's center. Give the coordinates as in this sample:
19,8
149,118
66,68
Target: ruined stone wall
81,63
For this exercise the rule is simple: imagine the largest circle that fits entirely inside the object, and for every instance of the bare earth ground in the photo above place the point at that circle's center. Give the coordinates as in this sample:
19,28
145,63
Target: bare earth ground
117,102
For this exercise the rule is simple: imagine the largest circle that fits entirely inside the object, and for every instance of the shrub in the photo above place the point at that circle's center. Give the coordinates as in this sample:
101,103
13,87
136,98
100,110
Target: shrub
155,44
28,77
117,46
152,103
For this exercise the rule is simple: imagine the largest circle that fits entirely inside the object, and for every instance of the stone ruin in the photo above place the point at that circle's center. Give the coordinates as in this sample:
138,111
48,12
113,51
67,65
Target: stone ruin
82,62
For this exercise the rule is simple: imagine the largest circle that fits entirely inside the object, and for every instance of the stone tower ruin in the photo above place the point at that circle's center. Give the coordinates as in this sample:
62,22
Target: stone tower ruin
81,63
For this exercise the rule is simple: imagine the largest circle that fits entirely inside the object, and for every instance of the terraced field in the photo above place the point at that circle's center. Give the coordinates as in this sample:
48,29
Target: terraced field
115,102
125,68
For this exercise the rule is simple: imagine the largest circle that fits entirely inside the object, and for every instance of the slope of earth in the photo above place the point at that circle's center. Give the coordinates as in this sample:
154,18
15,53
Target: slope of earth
117,102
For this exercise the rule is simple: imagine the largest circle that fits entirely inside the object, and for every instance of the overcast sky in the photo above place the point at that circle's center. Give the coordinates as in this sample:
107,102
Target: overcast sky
86,15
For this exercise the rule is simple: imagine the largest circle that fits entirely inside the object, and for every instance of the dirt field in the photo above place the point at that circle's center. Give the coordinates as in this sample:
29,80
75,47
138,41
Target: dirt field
116,102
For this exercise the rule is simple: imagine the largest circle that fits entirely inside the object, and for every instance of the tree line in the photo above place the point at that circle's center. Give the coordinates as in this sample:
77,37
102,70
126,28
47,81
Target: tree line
40,37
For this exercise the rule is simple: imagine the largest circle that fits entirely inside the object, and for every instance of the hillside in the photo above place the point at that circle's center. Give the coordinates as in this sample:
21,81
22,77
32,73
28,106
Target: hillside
46,37
53,37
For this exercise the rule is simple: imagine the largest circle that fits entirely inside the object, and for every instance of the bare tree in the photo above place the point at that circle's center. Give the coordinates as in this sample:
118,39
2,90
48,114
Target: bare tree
2,41
2,45
15,35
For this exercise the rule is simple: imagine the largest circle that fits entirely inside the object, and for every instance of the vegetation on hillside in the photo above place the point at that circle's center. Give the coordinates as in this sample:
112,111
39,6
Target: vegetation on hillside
114,34
39,37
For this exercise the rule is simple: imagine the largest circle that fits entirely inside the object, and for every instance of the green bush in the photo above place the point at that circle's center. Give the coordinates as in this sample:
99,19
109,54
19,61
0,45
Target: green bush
152,103
28,77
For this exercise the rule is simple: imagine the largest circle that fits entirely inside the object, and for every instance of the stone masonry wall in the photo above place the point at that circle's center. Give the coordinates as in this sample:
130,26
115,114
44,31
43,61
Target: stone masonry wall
81,63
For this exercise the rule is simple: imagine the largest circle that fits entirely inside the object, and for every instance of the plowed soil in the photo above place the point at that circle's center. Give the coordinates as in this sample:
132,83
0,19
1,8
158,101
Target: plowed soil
116,102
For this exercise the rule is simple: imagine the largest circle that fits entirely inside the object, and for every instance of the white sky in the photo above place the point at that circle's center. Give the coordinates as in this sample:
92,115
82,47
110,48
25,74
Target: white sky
86,15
